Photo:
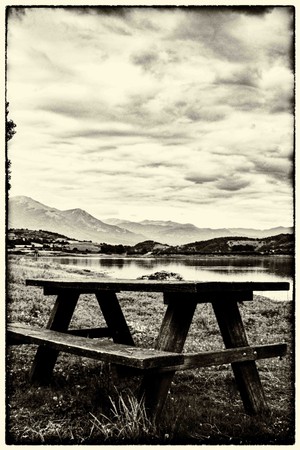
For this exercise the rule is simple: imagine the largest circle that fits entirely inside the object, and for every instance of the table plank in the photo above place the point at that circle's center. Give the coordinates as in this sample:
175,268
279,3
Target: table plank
53,286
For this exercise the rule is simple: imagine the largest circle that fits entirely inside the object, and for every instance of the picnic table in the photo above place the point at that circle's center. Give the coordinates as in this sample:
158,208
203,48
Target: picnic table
159,365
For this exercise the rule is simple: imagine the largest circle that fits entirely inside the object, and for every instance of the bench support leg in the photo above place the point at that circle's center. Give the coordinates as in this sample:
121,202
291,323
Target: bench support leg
59,320
246,373
172,336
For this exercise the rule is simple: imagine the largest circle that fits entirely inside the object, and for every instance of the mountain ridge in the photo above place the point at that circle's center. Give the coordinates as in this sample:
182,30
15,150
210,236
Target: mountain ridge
183,233
25,212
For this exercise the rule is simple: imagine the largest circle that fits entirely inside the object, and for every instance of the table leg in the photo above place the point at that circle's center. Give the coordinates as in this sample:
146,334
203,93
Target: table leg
172,336
246,373
114,317
59,320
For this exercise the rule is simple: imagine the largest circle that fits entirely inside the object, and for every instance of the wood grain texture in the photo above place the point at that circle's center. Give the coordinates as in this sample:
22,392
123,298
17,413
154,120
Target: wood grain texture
138,357
52,287
114,317
59,320
172,336
228,356
208,297
246,373
91,332
106,351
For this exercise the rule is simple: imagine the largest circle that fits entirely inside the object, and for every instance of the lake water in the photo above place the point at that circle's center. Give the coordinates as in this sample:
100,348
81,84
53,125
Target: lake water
196,268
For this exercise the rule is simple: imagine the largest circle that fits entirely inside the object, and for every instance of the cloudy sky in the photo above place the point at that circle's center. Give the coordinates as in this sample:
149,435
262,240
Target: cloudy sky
181,114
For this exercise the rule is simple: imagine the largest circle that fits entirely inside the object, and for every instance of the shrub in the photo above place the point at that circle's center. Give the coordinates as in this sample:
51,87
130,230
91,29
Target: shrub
163,275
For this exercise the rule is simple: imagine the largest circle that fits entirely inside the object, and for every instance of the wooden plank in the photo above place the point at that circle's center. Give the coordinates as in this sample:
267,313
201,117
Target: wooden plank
246,373
229,286
59,320
172,336
114,317
54,286
90,332
106,351
228,356
137,357
207,297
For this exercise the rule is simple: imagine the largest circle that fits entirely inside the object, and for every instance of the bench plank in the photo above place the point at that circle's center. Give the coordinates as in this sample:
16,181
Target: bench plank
229,356
22,334
105,350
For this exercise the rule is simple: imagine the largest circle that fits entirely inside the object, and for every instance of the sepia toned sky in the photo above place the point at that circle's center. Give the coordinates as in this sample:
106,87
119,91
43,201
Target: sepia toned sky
182,114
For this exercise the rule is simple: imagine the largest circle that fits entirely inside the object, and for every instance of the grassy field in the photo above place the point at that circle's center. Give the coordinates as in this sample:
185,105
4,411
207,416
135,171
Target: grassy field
87,404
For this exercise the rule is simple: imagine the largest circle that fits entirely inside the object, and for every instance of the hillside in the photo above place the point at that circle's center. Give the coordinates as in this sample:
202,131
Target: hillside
147,247
24,212
41,239
21,236
280,244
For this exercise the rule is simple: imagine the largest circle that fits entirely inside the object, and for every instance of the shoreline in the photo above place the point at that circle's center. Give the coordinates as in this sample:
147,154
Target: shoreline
49,253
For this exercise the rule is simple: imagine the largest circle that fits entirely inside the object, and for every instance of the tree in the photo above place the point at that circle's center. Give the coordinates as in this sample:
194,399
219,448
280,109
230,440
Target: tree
9,132
10,125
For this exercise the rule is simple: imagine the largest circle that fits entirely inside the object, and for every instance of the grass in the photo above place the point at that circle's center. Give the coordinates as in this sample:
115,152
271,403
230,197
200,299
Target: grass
87,404
128,422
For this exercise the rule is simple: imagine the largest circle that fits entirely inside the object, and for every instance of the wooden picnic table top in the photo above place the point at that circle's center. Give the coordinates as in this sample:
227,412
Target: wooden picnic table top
193,287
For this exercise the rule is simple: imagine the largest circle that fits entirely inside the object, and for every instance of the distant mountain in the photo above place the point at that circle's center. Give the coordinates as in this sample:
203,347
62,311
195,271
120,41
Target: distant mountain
173,233
24,212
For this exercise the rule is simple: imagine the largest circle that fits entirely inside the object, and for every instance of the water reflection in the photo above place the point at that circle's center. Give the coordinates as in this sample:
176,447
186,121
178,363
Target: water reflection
279,268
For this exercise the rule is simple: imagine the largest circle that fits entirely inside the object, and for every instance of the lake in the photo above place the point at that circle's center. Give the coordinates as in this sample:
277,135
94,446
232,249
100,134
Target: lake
264,268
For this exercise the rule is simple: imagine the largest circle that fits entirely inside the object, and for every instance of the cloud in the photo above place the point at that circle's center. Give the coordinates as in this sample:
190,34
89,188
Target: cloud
147,60
212,28
101,148
245,76
176,110
271,166
198,178
232,184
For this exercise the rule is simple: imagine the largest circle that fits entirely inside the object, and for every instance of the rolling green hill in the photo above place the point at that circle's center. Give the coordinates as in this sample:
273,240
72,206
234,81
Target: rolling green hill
280,244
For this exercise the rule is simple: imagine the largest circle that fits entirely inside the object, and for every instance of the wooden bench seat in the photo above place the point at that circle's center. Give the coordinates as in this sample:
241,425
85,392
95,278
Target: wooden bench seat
106,351
136,357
